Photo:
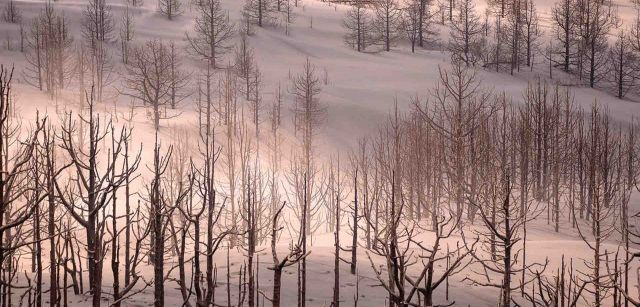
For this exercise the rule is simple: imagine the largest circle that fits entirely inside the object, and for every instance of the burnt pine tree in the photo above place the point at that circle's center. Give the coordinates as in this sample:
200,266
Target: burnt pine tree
387,23
213,32
466,42
622,61
97,182
16,167
357,22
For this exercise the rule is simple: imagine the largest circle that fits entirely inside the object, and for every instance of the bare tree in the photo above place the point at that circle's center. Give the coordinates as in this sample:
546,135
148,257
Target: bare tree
102,70
12,13
206,190
425,16
387,23
532,31
294,256
335,196
160,211
564,28
392,236
459,105
599,19
466,43
97,23
47,151
622,61
309,114
246,67
48,46
635,35
126,33
416,21
357,22
170,8
95,184
434,254
150,79
228,110
213,32
499,253
252,215
258,12
602,172
16,165
179,80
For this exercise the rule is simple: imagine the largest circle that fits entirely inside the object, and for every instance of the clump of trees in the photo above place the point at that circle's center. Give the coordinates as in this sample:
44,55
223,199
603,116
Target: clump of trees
213,32
154,78
48,45
12,13
509,36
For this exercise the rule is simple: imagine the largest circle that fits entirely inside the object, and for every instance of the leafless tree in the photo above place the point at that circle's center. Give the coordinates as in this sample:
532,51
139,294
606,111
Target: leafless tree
556,290
602,147
336,195
213,31
391,240
126,33
357,21
97,23
387,23
433,254
466,43
228,112
12,13
48,46
532,31
259,12
246,68
160,212
416,21
309,114
95,184
16,165
294,256
425,17
47,151
179,80
564,29
205,181
499,253
170,8
622,59
252,215
150,79
599,18
456,112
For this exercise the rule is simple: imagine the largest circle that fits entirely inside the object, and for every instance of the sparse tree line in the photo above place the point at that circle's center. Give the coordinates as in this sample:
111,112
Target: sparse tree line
583,38
375,25
153,75
77,192
465,164
469,162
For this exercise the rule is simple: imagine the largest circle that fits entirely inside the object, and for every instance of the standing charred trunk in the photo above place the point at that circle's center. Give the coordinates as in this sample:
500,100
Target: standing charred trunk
354,239
336,259
157,226
53,271
115,244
